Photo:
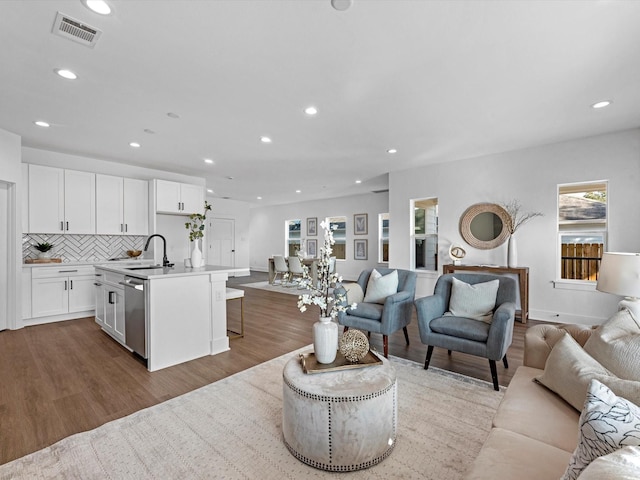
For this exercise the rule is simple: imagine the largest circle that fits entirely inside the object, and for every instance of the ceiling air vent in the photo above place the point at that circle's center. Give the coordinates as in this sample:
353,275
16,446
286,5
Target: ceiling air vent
67,27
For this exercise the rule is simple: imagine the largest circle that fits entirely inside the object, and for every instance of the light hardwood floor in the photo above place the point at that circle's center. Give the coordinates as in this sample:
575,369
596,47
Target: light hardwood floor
63,378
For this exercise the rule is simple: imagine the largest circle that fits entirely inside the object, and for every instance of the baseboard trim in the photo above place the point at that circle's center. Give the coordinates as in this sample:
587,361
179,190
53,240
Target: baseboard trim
559,317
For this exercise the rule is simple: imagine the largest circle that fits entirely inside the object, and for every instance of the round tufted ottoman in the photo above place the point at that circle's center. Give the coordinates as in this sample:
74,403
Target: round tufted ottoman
340,421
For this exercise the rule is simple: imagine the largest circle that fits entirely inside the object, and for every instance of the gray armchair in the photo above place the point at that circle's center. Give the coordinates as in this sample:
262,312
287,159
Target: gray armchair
488,340
378,318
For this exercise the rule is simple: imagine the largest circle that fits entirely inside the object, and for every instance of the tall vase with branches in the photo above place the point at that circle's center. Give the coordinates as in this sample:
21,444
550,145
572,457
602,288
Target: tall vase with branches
196,226
325,331
515,219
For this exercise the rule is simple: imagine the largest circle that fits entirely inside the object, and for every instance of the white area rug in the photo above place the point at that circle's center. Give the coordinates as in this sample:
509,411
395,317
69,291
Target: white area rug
232,429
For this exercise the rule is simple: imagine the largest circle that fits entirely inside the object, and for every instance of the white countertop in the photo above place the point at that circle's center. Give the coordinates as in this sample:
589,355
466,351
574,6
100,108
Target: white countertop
157,272
88,263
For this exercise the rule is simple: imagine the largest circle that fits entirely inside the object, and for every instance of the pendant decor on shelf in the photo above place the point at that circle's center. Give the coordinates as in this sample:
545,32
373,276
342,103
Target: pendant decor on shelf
325,339
354,345
196,226
512,252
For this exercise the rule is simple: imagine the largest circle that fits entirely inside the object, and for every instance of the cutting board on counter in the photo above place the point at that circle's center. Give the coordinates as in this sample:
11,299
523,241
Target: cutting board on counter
43,260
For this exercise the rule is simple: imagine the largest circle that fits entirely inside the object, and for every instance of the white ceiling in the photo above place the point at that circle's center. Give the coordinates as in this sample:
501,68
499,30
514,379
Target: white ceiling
438,80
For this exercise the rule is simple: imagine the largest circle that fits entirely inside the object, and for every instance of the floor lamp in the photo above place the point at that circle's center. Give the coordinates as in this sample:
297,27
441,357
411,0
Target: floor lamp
620,274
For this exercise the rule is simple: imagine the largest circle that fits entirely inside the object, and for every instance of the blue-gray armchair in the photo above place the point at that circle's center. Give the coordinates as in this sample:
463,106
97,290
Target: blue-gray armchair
385,318
466,335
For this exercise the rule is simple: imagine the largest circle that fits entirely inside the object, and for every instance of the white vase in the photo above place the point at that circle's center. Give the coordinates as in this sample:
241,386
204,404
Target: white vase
512,252
196,255
325,340
43,255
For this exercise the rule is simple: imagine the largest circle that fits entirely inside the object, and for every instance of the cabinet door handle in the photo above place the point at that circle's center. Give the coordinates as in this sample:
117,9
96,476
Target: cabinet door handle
71,283
121,229
98,274
97,284
67,226
126,228
62,226
65,284
67,271
111,298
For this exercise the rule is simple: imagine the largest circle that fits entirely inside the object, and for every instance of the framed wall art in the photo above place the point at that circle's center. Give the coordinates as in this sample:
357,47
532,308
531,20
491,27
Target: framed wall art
312,247
360,224
312,227
359,249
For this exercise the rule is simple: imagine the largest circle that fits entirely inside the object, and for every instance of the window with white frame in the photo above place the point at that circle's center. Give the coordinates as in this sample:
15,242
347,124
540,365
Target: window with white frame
293,234
383,238
582,229
425,228
338,226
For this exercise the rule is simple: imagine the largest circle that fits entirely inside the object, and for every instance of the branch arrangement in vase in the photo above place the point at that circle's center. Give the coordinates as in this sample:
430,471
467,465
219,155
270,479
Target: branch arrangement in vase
516,218
321,288
197,224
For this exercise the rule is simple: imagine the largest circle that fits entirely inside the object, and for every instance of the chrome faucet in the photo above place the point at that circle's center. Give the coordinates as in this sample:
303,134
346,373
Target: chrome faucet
165,262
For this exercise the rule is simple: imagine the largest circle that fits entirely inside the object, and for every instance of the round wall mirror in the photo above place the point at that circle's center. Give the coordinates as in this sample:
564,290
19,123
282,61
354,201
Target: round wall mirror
484,225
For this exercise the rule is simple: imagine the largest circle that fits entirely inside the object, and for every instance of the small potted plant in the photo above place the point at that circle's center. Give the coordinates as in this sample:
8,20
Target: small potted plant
44,249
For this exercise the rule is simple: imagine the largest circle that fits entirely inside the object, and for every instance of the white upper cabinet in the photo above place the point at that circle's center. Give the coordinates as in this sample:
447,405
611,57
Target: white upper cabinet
46,199
61,201
79,202
122,206
109,205
136,207
179,198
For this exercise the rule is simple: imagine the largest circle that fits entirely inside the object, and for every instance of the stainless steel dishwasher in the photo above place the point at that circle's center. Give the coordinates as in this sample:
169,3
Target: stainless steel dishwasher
134,315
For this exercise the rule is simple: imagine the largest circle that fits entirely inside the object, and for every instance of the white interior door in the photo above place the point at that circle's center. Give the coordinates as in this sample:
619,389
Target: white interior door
222,242
4,255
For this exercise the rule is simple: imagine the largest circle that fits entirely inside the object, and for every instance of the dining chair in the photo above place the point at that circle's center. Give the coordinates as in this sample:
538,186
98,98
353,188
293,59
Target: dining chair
296,270
280,266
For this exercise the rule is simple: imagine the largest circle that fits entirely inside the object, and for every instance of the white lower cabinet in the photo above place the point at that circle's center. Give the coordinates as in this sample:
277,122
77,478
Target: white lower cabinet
60,290
110,304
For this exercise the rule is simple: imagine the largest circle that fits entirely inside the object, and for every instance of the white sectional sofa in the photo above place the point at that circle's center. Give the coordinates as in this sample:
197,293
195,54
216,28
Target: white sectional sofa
535,431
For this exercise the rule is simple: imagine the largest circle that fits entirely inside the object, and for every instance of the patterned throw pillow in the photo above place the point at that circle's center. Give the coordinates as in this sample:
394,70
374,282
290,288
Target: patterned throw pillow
623,464
607,423
380,287
473,301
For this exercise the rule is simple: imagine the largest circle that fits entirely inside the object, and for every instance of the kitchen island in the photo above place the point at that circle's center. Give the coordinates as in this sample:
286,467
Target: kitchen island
170,315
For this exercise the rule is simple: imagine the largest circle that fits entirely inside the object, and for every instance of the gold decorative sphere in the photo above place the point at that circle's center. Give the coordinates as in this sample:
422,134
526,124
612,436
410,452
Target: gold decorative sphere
354,345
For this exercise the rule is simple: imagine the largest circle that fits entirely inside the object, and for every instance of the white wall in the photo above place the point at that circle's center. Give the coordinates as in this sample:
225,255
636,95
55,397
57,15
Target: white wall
238,211
11,225
267,228
530,176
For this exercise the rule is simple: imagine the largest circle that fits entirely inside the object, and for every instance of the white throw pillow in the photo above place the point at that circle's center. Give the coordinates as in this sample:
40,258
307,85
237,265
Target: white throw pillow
616,345
623,464
473,301
354,293
607,423
569,370
380,287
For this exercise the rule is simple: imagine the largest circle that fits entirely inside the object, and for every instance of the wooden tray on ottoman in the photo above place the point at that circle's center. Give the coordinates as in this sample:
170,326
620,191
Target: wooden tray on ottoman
311,365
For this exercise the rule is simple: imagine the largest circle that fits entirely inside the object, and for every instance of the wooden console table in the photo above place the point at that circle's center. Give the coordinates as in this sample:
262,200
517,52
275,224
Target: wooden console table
523,281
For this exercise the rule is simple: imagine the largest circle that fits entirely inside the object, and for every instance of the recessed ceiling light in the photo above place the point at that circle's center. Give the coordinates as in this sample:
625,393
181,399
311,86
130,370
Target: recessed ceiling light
149,131
311,110
358,181
265,139
134,145
229,178
341,5
208,160
98,6
209,190
40,123
604,103
173,115
259,198
298,191
64,73
392,150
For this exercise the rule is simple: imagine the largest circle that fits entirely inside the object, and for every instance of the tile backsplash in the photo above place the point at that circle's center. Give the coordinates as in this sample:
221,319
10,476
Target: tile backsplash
89,248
